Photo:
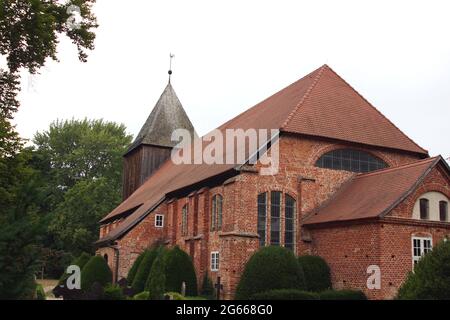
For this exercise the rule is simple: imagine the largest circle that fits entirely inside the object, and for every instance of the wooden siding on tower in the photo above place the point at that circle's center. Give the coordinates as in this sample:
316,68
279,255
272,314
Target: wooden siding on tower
139,164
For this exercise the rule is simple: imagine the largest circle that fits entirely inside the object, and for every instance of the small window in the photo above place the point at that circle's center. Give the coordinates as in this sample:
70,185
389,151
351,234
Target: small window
424,209
420,247
184,220
159,221
443,210
215,261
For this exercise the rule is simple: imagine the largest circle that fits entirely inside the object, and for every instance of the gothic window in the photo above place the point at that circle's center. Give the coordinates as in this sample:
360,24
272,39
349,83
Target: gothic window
216,212
443,210
262,218
275,218
184,220
350,160
289,220
424,209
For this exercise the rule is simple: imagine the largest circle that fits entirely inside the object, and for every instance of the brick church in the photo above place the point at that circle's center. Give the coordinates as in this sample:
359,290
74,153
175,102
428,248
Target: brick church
351,187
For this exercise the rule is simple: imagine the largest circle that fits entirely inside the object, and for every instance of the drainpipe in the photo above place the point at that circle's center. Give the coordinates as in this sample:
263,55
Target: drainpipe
116,255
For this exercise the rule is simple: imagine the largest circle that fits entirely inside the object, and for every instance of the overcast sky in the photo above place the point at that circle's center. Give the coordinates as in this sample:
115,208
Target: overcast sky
229,55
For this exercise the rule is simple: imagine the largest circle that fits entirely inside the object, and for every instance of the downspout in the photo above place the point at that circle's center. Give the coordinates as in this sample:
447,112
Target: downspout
116,255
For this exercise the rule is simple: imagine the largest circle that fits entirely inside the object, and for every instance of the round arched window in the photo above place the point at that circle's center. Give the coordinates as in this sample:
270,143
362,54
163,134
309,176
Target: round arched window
350,160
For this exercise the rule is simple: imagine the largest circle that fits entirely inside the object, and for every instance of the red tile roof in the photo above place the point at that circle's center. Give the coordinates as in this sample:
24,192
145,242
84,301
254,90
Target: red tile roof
373,194
319,104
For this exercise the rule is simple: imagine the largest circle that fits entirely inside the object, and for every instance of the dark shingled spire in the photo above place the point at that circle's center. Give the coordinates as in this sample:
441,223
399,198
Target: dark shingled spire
167,115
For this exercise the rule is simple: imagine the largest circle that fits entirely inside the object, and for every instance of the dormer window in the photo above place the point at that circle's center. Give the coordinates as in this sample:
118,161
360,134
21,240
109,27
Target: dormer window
424,209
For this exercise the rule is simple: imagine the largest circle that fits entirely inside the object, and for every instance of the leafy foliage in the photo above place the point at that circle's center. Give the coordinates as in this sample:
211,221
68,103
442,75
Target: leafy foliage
95,270
40,293
342,295
144,295
285,294
178,269
29,31
143,271
317,273
431,277
270,268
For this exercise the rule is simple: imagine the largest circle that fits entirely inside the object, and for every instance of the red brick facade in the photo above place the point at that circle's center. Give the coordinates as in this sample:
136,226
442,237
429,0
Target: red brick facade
348,248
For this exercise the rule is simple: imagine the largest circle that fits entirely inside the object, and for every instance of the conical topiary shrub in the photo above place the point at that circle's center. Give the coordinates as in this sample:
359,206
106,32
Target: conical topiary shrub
270,268
134,268
317,273
95,270
179,268
155,284
143,270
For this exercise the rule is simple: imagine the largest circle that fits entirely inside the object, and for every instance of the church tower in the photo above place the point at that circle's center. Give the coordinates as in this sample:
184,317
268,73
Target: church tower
153,144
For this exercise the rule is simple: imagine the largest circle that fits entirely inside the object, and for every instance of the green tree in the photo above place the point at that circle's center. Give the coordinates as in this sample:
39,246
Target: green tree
431,276
82,164
29,31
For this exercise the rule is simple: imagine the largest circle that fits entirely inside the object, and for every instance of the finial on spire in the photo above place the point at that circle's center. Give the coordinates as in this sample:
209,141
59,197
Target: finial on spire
170,65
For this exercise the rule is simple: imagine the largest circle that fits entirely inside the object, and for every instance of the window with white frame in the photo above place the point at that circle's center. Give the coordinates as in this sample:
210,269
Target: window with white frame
159,221
215,261
420,247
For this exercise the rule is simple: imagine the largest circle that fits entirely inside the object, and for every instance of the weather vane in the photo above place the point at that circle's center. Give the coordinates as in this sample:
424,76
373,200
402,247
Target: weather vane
171,55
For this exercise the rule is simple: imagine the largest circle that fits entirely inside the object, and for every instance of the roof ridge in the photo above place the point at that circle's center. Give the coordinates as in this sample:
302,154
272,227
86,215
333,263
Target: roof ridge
389,169
223,125
313,84
379,112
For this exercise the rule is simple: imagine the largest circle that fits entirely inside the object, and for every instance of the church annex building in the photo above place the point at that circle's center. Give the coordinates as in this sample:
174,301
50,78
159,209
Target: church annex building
351,187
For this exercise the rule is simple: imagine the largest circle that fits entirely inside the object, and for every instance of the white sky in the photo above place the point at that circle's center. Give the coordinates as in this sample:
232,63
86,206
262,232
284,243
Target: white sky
229,55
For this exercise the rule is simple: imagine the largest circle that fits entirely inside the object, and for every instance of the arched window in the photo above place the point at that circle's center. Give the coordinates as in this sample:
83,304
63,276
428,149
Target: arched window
289,221
105,256
350,160
216,212
424,209
184,220
262,218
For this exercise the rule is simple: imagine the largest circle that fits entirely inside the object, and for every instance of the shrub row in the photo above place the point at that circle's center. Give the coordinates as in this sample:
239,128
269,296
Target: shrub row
292,294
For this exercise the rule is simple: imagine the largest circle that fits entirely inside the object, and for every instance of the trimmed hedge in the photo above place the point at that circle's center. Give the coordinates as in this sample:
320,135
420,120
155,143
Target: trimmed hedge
143,271
270,268
431,277
342,295
113,292
178,269
285,294
95,270
134,268
317,273
156,279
